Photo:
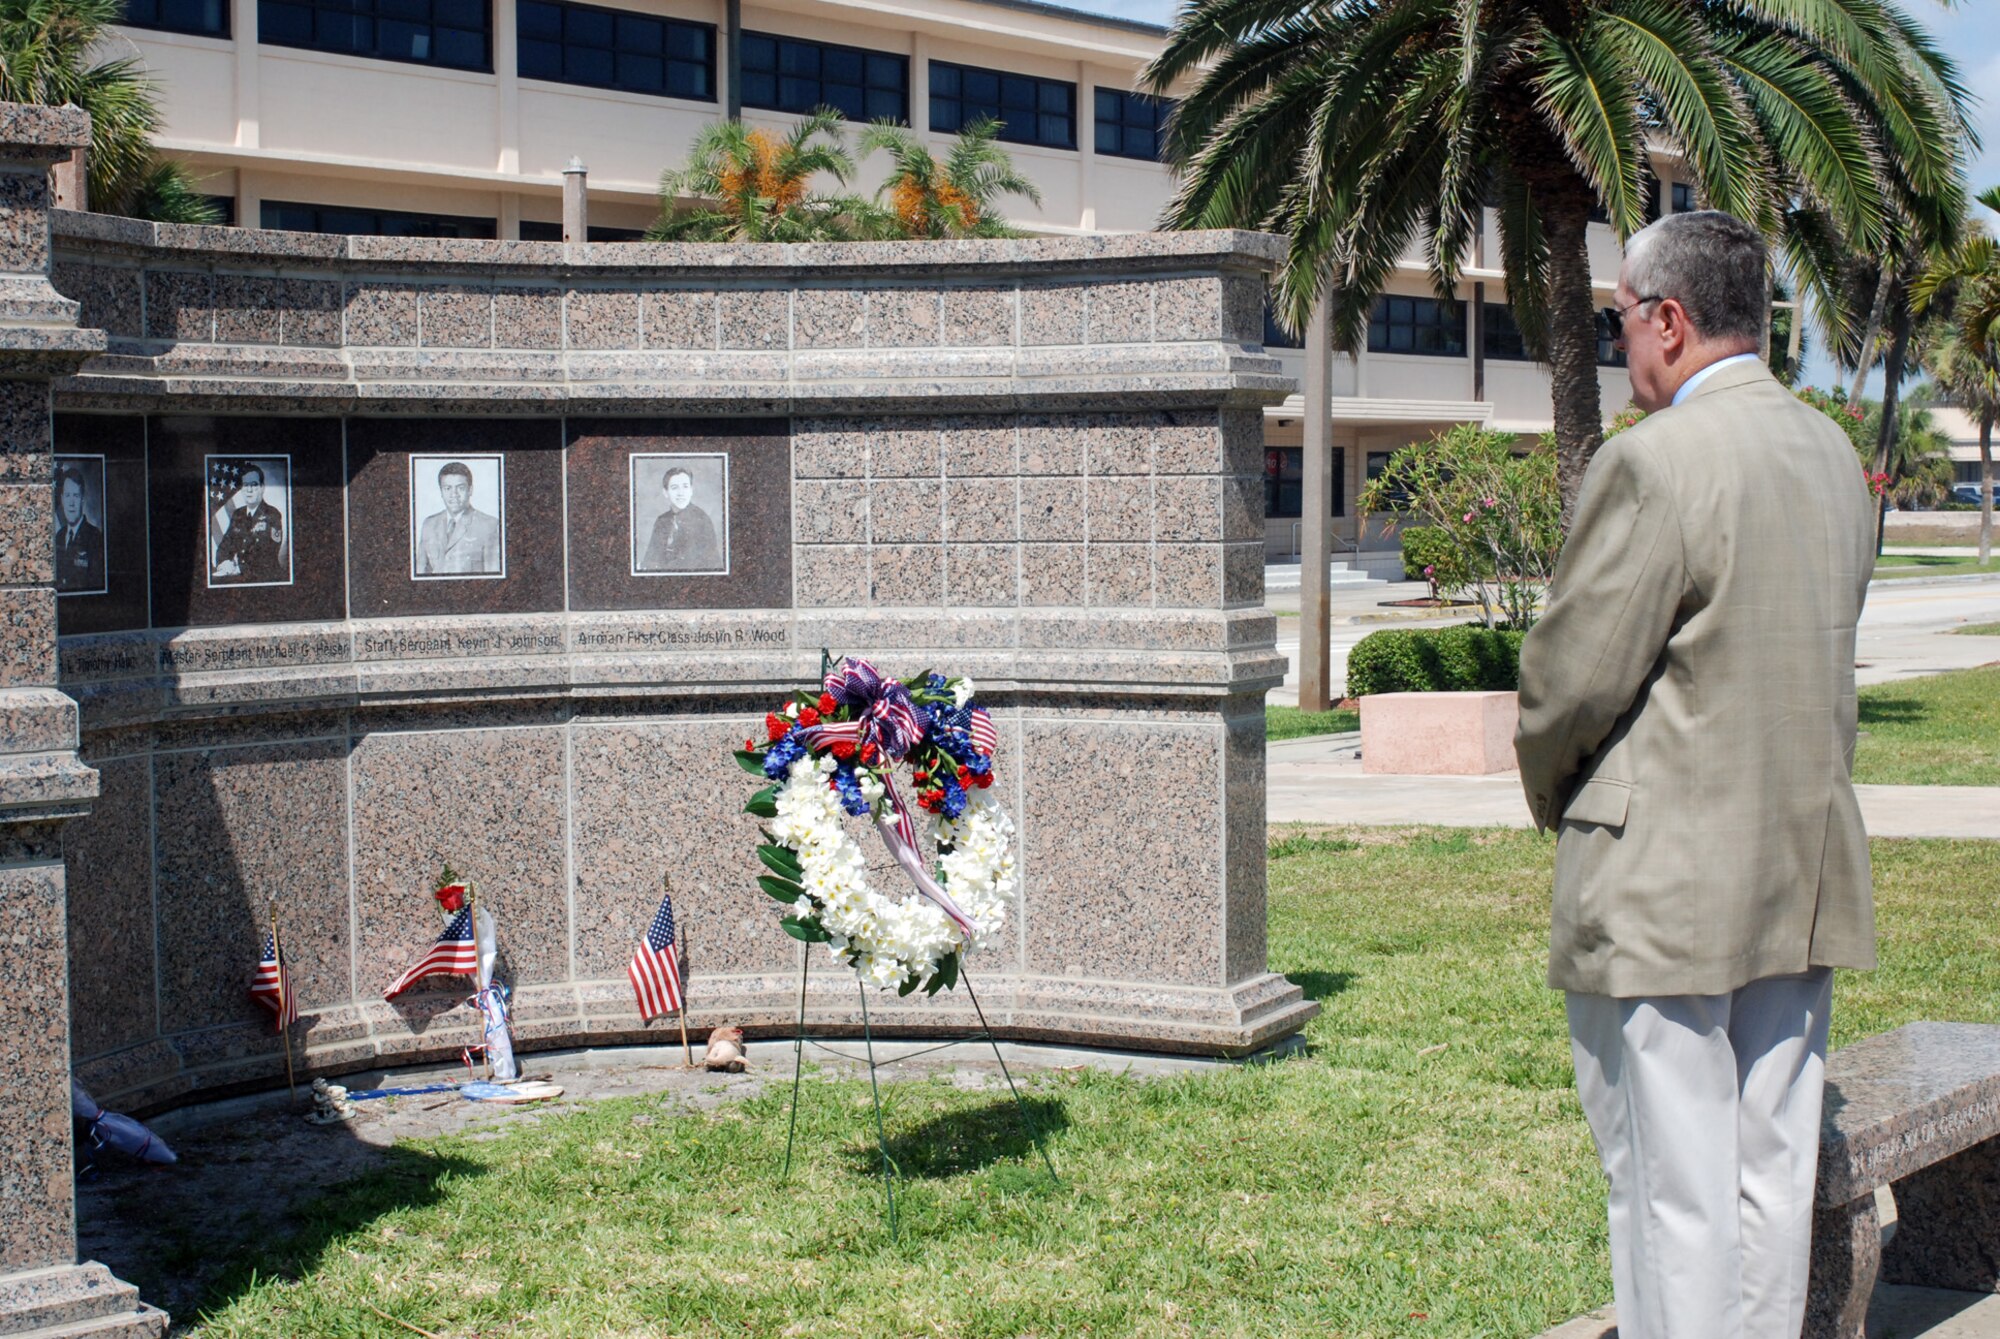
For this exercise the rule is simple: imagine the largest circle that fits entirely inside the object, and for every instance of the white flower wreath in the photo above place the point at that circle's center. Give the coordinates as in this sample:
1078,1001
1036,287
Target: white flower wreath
831,756
903,944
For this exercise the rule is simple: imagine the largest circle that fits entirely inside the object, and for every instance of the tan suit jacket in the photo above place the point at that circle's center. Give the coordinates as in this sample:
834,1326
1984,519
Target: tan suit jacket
473,551
1687,701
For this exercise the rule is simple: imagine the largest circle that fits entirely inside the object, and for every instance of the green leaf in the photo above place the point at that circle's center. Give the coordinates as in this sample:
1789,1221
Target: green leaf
948,972
750,761
782,889
907,986
936,982
804,933
781,860
764,803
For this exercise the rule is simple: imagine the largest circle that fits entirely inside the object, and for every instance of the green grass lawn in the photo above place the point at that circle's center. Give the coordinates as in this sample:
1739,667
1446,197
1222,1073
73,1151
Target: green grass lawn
1291,723
1424,1170
1939,730
1979,630
1892,566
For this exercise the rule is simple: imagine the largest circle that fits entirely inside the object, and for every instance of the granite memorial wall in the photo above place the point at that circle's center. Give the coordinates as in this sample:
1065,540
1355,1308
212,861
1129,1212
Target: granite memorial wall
378,553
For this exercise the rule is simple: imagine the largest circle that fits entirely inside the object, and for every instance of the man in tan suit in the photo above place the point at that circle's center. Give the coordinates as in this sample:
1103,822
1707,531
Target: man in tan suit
1687,727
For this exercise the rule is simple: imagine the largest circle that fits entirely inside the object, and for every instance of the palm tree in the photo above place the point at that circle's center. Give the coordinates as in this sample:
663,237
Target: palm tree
1964,359
1972,383
1919,465
1357,126
45,58
952,197
751,186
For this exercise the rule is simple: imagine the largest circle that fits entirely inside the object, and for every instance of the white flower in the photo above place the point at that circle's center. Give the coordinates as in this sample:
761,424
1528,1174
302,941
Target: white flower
961,692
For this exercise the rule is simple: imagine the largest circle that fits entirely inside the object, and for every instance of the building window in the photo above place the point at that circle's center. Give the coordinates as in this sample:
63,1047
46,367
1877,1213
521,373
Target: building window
533,230
1275,335
784,74
609,48
225,208
1608,354
1284,482
1417,325
453,33
284,216
1501,337
1030,110
205,18
1652,198
1131,125
1683,198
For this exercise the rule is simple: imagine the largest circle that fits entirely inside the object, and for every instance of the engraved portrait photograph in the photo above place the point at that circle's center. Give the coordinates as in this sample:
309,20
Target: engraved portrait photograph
249,529
80,554
458,517
680,514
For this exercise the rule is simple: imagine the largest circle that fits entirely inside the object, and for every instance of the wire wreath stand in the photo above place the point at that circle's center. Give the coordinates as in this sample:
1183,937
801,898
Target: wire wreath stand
802,1039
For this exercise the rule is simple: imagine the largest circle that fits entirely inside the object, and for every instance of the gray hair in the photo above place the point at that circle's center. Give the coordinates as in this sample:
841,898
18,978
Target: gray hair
1714,264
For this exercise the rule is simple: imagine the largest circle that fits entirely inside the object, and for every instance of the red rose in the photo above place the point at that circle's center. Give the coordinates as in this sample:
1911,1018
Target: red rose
776,726
451,897
808,717
827,704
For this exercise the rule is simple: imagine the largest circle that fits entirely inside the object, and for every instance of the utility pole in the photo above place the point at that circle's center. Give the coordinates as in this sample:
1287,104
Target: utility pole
1316,511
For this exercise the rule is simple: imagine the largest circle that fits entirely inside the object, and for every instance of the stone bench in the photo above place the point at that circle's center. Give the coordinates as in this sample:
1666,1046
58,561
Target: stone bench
1917,1109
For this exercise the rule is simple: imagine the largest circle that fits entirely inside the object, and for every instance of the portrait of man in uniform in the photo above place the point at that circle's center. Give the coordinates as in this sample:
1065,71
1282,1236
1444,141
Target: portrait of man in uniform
248,542
79,531
454,535
680,515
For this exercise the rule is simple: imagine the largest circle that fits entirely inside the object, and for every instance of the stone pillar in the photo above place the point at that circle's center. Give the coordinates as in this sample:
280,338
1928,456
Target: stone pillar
42,782
576,202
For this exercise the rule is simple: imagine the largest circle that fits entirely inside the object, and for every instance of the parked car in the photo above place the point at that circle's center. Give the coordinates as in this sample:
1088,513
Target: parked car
1967,493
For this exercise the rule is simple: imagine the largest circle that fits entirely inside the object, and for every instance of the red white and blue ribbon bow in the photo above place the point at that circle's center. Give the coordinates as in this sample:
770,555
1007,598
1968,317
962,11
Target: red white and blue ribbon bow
887,717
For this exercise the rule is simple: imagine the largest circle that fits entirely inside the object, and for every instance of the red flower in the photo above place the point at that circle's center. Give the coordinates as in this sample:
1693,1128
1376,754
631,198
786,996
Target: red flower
750,745
451,897
776,726
964,776
868,753
827,704
920,775
985,780
842,749
808,717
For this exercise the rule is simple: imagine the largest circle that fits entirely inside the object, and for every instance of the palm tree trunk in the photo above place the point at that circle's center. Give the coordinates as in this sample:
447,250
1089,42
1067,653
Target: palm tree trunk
1863,358
1892,377
1985,486
1578,401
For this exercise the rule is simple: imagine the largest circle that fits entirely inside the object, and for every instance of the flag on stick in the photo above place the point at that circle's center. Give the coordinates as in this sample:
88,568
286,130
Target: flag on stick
655,974
271,986
454,953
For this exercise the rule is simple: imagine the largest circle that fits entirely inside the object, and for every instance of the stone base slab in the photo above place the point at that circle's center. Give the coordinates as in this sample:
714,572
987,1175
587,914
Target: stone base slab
1438,734
1230,1021
85,1299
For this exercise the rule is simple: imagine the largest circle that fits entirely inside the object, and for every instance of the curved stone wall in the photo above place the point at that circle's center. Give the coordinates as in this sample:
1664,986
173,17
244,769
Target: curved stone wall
1036,462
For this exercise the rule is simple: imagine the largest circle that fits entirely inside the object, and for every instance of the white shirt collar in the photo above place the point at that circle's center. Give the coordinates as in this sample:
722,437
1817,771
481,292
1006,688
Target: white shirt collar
1689,386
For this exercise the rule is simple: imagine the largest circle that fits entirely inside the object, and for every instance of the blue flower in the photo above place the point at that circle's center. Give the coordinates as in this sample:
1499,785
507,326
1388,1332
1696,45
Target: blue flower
954,797
849,786
778,761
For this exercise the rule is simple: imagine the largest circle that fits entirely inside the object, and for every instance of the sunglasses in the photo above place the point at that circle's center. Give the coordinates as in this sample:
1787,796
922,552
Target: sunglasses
1614,317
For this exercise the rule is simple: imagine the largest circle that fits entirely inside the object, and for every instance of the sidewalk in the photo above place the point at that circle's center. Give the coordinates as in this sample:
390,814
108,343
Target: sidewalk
1319,780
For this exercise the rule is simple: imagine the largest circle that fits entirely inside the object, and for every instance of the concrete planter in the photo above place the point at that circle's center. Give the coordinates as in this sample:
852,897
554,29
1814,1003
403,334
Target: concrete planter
1438,734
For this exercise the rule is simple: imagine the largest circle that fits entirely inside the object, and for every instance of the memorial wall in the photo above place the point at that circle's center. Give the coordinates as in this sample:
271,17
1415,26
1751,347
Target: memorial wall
376,554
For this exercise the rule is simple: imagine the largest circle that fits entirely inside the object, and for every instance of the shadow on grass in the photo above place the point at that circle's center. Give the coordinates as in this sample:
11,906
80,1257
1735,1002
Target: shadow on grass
1321,985
1892,711
955,1143
406,1178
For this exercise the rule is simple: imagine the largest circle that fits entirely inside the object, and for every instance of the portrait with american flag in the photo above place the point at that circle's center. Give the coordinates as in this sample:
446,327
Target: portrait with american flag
455,953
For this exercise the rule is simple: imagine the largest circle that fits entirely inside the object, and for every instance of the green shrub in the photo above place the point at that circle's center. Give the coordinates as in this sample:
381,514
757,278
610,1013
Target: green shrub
1467,658
1431,546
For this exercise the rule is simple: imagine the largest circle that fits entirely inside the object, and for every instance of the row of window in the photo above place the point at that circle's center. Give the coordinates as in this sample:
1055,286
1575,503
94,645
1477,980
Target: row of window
1284,480
287,216
641,53
1435,327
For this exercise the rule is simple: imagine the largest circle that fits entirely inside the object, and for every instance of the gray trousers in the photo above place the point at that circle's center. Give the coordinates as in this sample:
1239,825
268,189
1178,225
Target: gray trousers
1706,1113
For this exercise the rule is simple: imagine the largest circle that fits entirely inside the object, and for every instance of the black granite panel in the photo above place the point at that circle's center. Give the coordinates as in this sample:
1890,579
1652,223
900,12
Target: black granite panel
739,555
294,563
116,507
512,562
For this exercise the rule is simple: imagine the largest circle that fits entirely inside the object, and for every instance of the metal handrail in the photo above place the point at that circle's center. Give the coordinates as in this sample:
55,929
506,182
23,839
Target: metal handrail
1298,554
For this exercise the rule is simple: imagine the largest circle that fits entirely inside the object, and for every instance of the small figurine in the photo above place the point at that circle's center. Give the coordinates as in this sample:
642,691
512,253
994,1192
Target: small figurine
330,1104
725,1050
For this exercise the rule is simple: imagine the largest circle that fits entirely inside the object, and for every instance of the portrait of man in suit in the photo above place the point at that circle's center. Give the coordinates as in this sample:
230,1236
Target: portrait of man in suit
79,539
248,542
681,505
456,537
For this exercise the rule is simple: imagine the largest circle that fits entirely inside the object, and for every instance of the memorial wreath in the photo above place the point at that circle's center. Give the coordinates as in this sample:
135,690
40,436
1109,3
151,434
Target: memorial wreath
831,754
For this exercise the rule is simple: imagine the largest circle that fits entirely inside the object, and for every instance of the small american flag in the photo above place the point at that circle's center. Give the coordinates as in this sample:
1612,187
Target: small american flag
454,953
272,985
656,976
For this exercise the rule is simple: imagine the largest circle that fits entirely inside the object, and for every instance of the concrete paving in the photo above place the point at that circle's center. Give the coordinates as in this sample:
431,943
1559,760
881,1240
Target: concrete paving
1894,1312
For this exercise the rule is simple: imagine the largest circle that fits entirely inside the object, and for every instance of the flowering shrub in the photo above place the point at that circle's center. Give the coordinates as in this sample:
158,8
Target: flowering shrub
1498,510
